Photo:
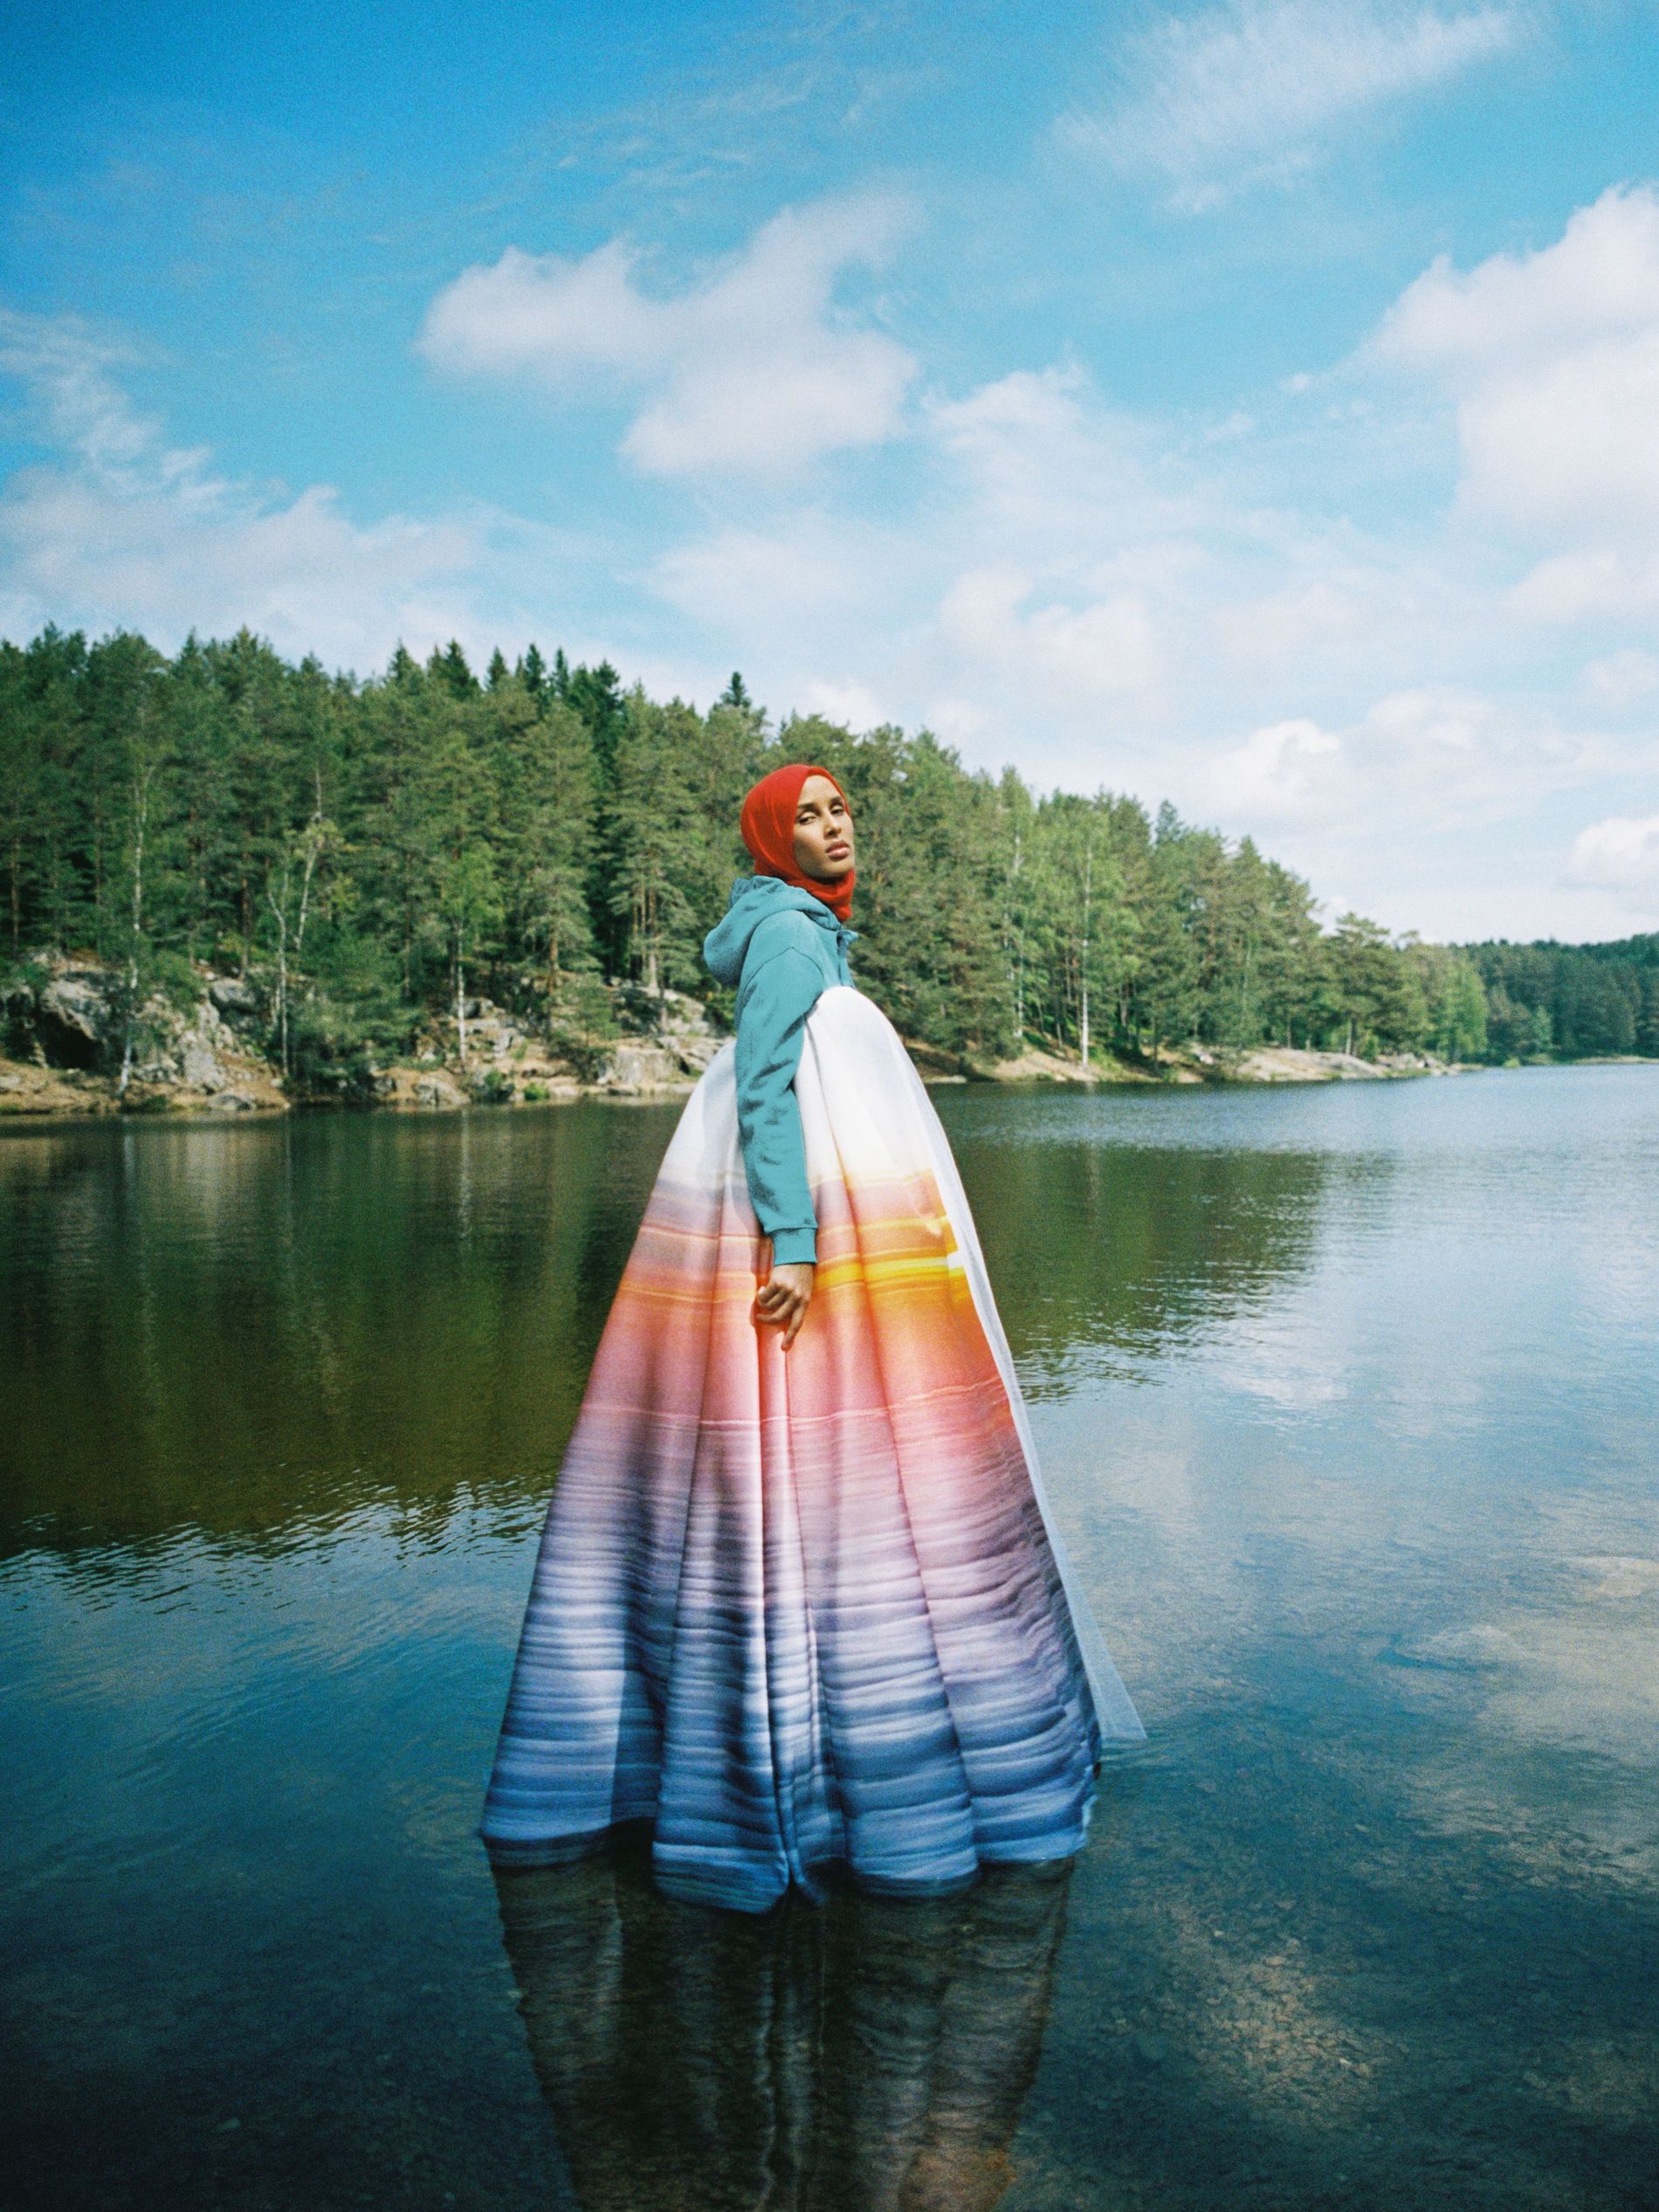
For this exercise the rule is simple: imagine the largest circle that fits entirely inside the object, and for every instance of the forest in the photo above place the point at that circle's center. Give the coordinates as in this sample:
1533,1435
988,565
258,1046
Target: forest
1571,1002
368,852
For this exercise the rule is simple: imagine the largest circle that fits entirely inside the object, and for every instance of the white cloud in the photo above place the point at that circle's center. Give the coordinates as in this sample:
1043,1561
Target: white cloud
1599,280
1431,759
845,700
755,369
70,371
1030,581
1619,854
1046,464
1622,680
1254,90
1287,771
1552,359
1593,583
127,530
1103,599
801,582
1067,536
1103,650
1567,443
1271,630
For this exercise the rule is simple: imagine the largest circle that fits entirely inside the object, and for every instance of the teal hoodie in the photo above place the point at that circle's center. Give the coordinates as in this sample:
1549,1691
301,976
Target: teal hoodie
782,948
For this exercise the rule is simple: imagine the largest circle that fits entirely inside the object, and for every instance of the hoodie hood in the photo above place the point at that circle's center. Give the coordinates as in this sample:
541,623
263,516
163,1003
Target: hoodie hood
755,899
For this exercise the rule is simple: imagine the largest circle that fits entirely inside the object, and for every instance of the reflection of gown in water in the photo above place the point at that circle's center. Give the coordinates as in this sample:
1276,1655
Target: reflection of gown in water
872,2057
810,1607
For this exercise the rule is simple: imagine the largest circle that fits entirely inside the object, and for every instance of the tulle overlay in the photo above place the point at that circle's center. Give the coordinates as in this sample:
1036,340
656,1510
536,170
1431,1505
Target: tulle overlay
803,1608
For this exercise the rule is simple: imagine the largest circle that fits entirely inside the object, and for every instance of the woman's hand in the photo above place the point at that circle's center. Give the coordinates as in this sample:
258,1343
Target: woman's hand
787,1296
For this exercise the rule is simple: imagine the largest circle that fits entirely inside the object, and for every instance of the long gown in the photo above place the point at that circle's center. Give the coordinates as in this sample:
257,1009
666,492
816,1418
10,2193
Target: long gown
805,1609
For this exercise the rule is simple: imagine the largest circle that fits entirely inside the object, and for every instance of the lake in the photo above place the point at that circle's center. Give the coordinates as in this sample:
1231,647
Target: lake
1348,1400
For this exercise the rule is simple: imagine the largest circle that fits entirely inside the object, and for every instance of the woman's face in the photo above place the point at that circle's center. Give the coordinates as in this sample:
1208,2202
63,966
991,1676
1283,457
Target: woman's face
823,831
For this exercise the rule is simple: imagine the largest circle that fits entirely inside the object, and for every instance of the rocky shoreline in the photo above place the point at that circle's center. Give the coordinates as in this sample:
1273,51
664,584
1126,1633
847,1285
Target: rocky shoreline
68,1046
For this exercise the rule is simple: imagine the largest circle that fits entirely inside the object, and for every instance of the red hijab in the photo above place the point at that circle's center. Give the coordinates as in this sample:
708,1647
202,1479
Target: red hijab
768,828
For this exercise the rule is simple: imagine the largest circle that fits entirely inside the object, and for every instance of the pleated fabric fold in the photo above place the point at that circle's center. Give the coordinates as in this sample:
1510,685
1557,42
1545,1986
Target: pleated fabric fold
804,1609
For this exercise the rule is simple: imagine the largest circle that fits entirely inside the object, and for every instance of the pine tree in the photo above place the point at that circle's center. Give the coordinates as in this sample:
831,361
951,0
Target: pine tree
458,801
42,741
1361,975
1648,1026
449,668
647,816
595,693
547,835
1165,1001
1016,815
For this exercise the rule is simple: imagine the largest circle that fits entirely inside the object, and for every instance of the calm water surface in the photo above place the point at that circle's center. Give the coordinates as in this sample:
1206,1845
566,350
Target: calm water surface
1347,1398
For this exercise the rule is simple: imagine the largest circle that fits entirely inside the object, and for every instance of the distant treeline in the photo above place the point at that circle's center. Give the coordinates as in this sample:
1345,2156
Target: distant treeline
372,851
1567,1002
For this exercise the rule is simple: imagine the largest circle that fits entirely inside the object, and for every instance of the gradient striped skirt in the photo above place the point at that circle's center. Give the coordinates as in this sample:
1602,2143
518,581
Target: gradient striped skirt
807,1608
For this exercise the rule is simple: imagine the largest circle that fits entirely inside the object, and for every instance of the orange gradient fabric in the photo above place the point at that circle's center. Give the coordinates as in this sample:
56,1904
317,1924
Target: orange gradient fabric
803,1608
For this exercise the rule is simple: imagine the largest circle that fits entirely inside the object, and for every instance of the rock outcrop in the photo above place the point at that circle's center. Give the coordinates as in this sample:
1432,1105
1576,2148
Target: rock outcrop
1293,1064
668,1040
679,1041
72,1031
72,1014
66,1026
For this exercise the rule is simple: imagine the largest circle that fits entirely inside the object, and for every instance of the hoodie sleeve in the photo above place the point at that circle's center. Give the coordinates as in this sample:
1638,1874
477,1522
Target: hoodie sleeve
781,986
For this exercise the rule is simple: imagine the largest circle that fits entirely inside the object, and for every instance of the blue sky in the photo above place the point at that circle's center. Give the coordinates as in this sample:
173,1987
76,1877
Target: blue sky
1255,404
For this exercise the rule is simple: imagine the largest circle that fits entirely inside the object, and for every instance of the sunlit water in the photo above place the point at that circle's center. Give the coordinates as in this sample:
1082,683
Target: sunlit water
1348,1400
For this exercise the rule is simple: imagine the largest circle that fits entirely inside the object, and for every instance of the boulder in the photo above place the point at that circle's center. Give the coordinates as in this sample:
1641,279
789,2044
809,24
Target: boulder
637,1064
499,1037
191,1050
438,1090
678,1026
73,1017
680,1015
236,999
199,1063
693,1053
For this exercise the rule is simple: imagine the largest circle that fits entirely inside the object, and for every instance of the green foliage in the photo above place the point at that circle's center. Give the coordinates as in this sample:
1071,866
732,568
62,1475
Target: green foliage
1455,999
21,982
1570,1002
373,852
930,873
351,1019
579,1022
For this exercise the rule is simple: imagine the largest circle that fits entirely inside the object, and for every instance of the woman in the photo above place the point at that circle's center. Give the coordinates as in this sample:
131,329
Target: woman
800,1601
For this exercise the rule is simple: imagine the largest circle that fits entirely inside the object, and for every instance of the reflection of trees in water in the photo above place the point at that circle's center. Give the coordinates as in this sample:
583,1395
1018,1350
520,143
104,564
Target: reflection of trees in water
250,1335
1136,1247
866,2054
247,1333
